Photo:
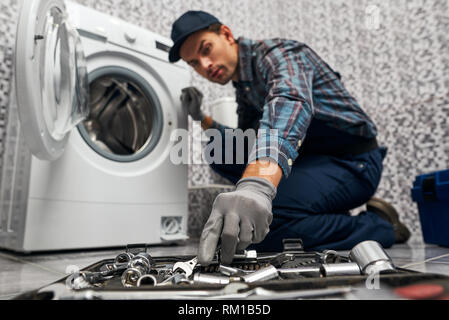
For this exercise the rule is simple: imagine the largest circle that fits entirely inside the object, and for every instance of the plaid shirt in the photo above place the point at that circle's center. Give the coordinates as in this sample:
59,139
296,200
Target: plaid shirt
283,85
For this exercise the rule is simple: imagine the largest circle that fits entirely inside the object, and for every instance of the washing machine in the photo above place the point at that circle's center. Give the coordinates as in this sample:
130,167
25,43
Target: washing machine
98,102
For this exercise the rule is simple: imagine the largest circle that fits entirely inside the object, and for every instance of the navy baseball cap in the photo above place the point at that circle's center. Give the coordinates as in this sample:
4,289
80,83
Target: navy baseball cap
184,26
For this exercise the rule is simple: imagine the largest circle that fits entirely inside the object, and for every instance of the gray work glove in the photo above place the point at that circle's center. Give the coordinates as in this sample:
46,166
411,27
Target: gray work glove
240,217
191,99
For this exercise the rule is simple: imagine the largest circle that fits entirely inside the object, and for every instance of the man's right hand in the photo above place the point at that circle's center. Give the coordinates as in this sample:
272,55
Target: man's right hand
191,99
239,218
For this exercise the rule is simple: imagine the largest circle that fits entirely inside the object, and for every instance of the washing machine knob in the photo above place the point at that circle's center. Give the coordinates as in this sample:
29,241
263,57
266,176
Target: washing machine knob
130,37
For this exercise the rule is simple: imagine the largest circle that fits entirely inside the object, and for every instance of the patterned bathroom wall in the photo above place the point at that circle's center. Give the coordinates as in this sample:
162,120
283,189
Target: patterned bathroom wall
394,58
8,18
392,54
14,155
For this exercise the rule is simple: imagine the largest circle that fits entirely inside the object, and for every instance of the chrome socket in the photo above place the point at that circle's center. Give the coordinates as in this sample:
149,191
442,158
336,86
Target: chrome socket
131,276
371,257
123,258
263,274
210,279
138,266
147,280
142,260
304,271
340,269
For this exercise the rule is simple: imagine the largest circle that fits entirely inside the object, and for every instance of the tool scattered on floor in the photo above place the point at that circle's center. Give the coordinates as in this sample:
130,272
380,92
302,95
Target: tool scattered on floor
142,270
291,274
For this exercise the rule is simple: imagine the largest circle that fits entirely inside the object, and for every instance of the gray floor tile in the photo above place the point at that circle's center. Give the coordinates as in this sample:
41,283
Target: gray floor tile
431,268
441,268
416,251
444,259
24,272
17,276
59,261
8,296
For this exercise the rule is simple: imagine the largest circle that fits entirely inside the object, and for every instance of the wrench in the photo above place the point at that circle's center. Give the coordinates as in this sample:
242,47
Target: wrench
329,256
231,271
185,267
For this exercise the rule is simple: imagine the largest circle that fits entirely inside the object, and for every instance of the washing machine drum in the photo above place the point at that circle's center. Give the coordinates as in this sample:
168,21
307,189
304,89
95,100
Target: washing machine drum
124,120
116,111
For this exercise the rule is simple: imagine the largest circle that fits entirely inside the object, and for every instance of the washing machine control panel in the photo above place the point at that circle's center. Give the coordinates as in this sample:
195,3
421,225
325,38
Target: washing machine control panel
93,23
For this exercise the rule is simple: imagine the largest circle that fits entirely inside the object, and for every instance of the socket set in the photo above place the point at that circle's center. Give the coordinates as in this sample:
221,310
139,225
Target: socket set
291,274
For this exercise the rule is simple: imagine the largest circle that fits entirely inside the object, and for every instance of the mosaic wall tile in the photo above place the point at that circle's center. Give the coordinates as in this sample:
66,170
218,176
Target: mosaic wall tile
200,205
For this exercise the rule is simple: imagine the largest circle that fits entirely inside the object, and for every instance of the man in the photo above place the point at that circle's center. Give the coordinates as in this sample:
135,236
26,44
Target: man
326,160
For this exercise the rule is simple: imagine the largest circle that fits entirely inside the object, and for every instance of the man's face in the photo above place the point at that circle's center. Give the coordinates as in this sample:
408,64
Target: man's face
214,56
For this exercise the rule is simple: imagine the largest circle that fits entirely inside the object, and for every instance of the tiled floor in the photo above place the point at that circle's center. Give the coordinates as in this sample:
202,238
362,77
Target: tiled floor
20,273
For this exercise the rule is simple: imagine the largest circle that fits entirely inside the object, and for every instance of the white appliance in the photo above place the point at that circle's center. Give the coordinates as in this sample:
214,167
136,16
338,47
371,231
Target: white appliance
97,101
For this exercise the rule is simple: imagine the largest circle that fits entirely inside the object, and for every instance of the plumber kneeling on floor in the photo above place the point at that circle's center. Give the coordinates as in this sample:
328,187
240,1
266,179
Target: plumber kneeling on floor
315,156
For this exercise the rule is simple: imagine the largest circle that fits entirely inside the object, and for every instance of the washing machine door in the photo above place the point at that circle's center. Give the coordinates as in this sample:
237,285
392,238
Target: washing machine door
51,77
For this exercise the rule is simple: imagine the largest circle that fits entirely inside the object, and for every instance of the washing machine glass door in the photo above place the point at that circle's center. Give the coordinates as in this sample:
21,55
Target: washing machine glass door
51,77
